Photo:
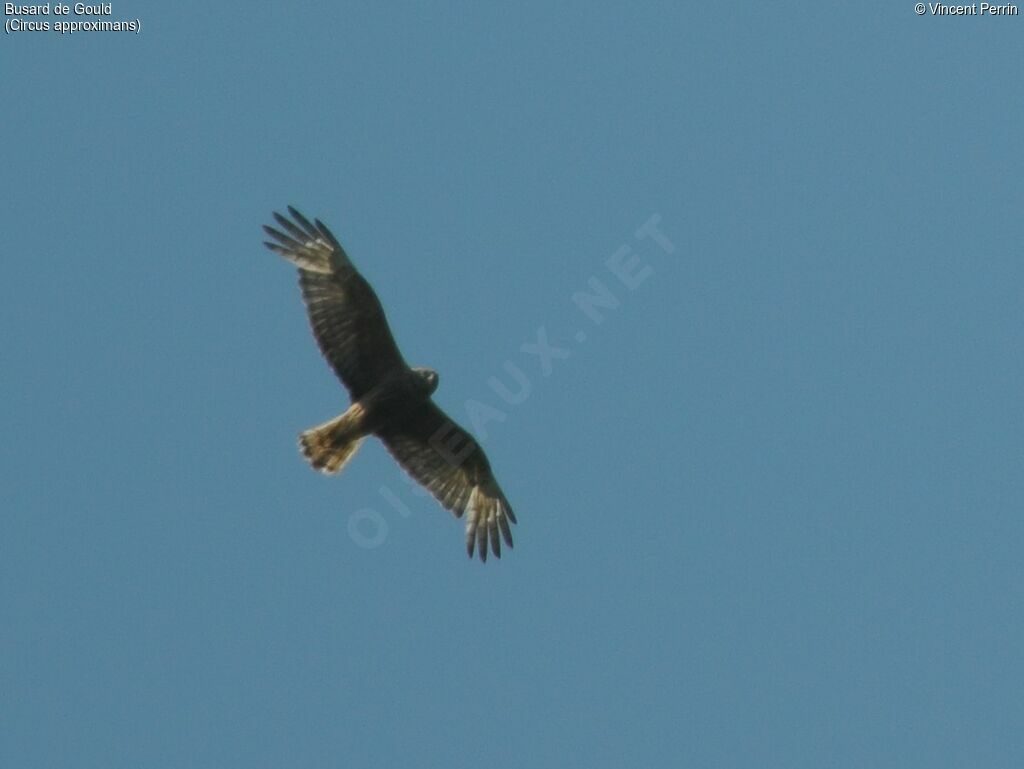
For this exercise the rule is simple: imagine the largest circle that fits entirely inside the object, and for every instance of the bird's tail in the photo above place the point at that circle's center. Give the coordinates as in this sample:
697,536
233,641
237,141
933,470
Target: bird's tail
331,445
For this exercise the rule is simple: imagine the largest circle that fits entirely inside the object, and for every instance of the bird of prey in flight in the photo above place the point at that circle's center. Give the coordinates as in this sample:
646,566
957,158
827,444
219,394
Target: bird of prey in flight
389,399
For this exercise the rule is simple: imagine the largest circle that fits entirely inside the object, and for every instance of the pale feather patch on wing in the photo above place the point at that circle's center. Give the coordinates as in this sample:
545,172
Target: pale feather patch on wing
487,522
309,246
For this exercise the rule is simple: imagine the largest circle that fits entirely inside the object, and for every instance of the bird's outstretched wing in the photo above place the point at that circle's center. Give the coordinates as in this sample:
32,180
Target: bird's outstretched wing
447,461
346,315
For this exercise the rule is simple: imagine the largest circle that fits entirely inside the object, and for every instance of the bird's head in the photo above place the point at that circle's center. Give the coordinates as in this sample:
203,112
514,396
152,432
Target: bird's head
429,377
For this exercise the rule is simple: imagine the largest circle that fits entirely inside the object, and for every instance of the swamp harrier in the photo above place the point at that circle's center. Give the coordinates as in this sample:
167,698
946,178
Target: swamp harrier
389,399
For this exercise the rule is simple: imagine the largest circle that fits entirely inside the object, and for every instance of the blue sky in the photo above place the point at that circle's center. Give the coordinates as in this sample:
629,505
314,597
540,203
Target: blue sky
770,507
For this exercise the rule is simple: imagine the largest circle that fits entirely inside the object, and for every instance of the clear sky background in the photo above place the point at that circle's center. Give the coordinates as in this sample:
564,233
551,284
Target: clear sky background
770,508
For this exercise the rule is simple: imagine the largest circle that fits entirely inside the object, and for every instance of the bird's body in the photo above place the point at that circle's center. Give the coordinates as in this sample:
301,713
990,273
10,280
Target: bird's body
389,399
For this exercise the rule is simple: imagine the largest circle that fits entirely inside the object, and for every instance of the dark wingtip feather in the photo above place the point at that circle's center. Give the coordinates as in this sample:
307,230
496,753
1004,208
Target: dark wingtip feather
289,225
283,239
506,531
495,542
481,542
275,234
302,221
327,234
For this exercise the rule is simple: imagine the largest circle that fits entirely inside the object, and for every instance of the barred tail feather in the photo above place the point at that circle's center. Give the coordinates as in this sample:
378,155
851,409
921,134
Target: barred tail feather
330,446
